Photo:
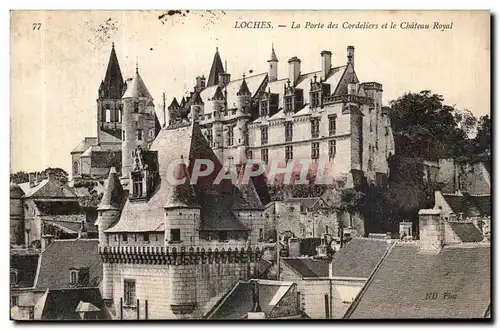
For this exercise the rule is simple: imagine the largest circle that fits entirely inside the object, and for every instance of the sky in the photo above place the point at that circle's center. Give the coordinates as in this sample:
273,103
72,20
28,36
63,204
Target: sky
57,66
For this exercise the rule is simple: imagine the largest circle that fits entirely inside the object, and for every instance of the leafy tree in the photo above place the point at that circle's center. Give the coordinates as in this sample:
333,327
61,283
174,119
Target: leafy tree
482,141
350,201
59,174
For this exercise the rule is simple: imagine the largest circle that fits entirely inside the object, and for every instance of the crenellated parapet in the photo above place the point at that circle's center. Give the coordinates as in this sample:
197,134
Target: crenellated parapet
177,256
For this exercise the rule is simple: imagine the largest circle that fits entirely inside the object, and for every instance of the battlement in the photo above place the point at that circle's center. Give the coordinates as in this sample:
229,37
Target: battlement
177,256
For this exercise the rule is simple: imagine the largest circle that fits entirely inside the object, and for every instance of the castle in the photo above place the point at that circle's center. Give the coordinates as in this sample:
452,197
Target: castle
174,250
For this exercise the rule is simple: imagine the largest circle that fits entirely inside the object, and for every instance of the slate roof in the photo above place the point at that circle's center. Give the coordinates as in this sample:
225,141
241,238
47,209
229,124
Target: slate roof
113,192
239,301
273,55
72,225
62,304
307,266
50,188
61,255
461,204
84,145
309,202
482,204
359,257
217,67
217,202
112,85
15,191
466,231
26,266
137,88
59,207
404,284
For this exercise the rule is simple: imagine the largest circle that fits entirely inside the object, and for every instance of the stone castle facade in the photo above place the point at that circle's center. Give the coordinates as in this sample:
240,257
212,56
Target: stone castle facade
325,116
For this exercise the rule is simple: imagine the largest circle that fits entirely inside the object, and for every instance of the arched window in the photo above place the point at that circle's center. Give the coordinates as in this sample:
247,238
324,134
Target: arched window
76,168
108,115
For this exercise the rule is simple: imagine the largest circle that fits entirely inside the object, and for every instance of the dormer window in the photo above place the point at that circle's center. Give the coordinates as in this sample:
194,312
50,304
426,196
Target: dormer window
315,93
264,108
315,99
137,185
288,104
73,277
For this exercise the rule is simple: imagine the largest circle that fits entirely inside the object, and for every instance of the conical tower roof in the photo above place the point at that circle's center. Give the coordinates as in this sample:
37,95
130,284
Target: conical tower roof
113,193
112,85
182,195
217,67
137,88
274,58
243,88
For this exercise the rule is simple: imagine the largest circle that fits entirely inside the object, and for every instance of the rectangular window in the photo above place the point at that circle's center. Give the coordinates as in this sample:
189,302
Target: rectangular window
175,235
264,108
129,292
136,106
263,135
371,119
124,237
315,99
230,135
288,153
332,125
139,134
288,104
332,149
264,155
315,150
223,236
137,185
288,131
146,237
123,135
315,128
209,135
261,234
73,277
249,154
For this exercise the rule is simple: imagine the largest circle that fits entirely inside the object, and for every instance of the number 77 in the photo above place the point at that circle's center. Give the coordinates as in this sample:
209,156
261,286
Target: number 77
37,26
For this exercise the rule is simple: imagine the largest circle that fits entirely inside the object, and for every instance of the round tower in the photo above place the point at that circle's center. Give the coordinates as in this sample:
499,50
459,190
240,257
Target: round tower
138,123
16,214
182,221
108,212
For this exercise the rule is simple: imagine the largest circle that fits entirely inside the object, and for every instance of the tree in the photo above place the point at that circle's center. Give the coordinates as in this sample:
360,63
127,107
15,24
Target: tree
482,141
350,201
59,174
426,127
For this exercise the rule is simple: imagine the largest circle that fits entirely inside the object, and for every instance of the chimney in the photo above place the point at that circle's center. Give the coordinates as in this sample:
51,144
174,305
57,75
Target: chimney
350,55
51,175
293,69
431,230
32,180
293,247
203,81
256,313
326,63
45,241
82,232
198,83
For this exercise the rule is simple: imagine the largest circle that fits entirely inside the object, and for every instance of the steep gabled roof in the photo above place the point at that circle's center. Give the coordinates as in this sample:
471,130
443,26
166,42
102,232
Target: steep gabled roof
50,188
137,88
466,231
308,267
217,67
239,302
62,255
455,283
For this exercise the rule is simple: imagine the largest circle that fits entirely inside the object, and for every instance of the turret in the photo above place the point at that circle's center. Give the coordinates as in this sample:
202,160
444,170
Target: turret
16,215
197,107
273,66
138,123
108,212
216,69
243,96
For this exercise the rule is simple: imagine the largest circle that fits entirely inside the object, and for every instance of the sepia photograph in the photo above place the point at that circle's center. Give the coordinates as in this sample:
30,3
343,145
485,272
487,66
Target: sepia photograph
250,165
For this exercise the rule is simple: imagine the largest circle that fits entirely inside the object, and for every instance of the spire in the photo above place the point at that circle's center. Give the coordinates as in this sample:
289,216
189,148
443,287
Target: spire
112,86
217,67
113,193
137,88
174,104
182,195
274,58
243,88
